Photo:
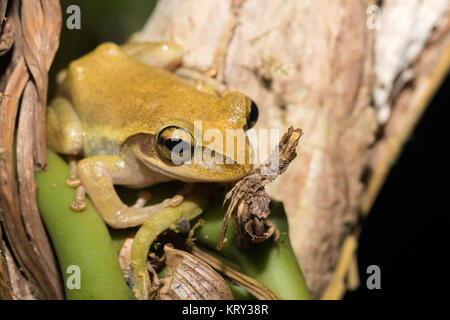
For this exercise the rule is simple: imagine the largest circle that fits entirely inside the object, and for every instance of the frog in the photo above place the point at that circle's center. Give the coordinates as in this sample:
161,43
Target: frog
124,115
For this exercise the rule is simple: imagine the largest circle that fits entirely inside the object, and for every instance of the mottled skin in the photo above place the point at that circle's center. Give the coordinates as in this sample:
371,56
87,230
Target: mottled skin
113,110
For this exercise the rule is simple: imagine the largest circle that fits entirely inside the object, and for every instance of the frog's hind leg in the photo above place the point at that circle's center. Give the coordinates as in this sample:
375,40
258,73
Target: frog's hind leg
65,136
64,130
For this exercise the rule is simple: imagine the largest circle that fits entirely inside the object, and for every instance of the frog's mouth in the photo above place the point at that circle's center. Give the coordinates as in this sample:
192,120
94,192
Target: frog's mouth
201,165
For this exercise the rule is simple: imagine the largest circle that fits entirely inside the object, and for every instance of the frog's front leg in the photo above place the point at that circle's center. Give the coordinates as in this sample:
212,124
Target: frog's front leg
168,55
98,175
165,55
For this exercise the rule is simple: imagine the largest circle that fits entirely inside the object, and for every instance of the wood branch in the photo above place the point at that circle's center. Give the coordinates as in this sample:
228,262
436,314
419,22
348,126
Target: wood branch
311,64
417,76
36,27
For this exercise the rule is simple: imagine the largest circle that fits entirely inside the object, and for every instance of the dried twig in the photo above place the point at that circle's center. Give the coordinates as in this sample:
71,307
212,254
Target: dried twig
251,199
6,30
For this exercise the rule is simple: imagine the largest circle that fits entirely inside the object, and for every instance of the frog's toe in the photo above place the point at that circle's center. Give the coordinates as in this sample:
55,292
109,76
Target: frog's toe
78,205
73,183
80,202
176,200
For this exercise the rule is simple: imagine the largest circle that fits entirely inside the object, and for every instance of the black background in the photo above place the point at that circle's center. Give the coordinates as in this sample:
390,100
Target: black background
408,230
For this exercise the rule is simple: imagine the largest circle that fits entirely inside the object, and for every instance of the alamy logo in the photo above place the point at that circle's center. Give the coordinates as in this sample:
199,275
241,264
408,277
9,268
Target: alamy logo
218,147
74,280
373,21
74,19
374,280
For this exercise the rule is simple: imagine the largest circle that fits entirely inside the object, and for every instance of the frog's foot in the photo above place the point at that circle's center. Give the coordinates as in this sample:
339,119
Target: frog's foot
80,202
64,130
203,82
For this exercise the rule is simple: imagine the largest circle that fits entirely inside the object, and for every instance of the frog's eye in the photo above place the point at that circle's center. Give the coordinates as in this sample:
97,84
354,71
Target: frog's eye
252,116
175,144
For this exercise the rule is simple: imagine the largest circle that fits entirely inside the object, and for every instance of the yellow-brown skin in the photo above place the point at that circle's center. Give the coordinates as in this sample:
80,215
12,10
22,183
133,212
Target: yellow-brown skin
112,109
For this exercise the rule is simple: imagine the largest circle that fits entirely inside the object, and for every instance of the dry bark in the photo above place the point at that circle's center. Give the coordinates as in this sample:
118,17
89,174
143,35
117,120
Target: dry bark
35,26
311,64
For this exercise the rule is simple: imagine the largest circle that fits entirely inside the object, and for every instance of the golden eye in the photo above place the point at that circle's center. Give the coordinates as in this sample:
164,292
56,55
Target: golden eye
175,144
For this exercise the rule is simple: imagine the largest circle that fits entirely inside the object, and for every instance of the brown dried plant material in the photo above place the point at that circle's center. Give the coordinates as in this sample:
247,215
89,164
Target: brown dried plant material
6,30
36,26
189,278
5,285
3,5
41,24
125,257
20,286
251,199
6,41
257,289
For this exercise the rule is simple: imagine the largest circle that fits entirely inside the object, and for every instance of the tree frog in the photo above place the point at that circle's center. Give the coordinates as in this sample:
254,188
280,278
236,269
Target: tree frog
122,111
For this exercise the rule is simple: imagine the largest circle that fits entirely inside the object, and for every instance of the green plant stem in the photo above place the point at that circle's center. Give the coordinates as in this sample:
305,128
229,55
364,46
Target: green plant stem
80,239
191,207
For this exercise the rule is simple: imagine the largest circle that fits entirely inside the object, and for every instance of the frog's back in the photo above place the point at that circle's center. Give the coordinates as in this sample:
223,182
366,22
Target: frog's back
116,96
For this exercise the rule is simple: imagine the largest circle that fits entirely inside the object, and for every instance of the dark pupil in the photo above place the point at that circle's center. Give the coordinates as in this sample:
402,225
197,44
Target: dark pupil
253,114
172,143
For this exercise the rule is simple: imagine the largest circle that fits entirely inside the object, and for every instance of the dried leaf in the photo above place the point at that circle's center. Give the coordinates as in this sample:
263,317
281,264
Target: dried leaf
41,24
27,188
5,284
6,31
21,289
189,278
252,201
21,220
257,289
125,257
